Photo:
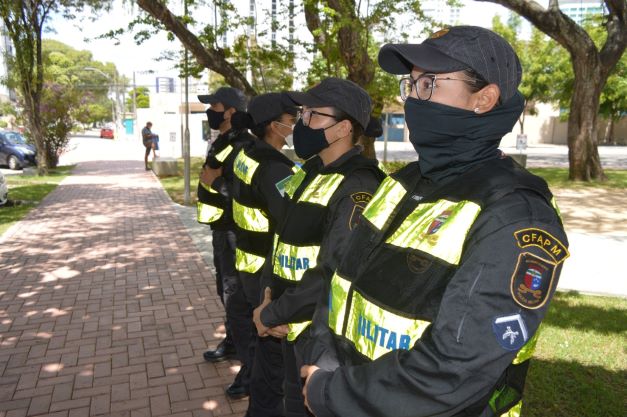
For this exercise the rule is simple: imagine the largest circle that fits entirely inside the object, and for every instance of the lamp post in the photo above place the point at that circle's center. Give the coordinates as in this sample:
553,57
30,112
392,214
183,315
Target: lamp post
113,86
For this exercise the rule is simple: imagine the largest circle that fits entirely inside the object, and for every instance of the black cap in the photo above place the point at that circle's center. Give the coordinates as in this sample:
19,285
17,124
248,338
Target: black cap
458,48
270,106
228,96
341,94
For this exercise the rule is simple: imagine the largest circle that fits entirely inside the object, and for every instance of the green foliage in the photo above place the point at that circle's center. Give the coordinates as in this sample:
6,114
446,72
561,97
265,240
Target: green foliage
547,69
24,22
547,73
269,67
68,67
29,190
142,98
57,103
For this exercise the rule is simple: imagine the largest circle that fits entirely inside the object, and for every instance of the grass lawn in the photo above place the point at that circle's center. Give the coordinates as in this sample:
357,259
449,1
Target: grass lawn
31,189
558,178
580,364
175,186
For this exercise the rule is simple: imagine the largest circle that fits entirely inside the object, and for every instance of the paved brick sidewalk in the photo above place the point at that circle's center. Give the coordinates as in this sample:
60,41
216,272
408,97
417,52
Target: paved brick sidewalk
106,305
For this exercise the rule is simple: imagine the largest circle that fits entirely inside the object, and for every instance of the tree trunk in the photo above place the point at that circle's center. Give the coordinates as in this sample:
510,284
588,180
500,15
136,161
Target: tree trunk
213,59
583,155
609,131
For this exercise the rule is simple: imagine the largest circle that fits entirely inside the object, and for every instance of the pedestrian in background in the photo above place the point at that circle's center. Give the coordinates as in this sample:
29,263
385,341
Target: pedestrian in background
149,139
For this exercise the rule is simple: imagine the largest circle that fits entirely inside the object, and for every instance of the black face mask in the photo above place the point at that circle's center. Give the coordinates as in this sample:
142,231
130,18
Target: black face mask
307,141
450,140
215,118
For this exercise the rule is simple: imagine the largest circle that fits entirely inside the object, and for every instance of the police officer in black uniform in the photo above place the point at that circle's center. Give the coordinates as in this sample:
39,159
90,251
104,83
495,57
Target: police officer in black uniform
327,195
215,200
434,309
261,172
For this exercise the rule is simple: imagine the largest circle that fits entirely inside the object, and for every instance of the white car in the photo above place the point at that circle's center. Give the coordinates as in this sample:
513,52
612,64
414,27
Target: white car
4,190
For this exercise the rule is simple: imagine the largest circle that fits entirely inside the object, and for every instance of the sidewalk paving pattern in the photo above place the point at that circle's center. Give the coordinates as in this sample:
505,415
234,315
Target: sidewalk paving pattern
106,305
107,301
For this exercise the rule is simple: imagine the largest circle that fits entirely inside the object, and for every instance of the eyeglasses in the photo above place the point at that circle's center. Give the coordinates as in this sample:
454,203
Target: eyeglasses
425,84
306,115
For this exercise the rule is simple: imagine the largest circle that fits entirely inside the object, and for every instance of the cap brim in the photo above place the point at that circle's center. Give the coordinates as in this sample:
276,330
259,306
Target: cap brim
208,99
306,99
402,58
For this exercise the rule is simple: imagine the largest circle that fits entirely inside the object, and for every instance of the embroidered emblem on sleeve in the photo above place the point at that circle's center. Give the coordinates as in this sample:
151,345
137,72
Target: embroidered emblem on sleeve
510,331
544,240
531,281
361,200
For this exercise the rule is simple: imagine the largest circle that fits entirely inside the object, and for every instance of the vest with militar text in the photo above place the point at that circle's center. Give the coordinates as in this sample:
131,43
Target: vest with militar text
297,243
419,242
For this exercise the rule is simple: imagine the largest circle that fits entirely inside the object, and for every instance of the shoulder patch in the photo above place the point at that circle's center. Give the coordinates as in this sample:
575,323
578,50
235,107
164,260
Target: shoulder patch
532,280
510,331
361,198
544,240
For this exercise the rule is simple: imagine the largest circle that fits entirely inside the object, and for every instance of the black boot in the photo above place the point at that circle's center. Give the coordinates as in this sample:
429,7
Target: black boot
239,388
225,350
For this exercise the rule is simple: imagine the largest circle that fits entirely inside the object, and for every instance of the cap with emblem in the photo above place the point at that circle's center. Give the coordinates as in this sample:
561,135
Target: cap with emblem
455,49
228,96
341,94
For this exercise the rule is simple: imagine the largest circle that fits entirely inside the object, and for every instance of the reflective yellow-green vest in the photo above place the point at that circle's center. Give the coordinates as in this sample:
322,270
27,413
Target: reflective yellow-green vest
388,289
297,243
254,228
211,206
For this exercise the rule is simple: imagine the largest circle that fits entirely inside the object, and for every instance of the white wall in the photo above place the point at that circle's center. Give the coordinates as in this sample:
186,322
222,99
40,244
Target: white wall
167,120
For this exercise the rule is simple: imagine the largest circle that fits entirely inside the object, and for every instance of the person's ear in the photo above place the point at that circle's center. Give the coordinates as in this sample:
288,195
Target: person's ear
275,128
486,98
343,129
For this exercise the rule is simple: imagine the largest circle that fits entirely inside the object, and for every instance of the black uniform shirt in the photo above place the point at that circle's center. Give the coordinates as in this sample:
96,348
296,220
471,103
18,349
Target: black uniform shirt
297,303
458,360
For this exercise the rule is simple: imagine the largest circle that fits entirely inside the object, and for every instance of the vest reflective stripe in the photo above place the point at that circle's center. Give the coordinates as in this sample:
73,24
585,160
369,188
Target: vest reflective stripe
296,329
526,352
507,394
338,297
244,167
557,209
438,228
320,190
248,262
514,411
382,168
375,331
224,153
387,197
291,262
294,182
206,187
249,218
207,214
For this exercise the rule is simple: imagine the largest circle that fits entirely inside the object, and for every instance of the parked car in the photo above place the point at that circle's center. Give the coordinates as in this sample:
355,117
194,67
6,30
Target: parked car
15,152
106,133
4,190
